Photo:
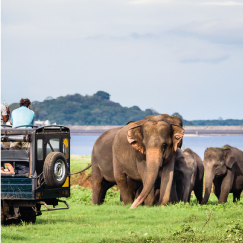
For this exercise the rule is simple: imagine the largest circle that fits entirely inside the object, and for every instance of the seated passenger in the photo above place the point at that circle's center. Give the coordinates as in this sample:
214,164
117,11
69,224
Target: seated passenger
22,116
7,169
4,114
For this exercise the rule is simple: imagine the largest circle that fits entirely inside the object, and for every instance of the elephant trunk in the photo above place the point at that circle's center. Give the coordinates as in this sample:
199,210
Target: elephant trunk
153,161
209,176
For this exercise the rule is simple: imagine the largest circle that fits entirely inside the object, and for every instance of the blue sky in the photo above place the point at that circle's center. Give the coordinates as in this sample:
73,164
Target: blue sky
172,56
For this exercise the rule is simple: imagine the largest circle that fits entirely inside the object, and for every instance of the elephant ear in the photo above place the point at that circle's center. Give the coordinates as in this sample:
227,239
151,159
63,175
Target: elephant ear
178,133
229,158
135,138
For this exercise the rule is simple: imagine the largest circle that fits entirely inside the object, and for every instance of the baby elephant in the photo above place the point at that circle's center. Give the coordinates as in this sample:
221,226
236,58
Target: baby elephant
224,168
188,176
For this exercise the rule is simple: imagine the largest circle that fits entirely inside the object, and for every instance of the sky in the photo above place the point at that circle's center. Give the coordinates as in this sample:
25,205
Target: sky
168,55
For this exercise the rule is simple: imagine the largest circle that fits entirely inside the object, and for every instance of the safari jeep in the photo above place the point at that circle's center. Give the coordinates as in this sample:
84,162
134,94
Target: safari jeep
41,174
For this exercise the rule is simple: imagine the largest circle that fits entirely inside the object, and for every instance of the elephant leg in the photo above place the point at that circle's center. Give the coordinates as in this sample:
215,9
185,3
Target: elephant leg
173,195
198,190
134,187
187,192
138,191
156,196
126,192
149,201
97,179
180,190
236,196
105,185
226,186
217,186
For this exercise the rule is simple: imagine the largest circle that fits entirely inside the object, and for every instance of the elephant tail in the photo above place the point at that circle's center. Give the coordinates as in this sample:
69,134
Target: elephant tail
87,167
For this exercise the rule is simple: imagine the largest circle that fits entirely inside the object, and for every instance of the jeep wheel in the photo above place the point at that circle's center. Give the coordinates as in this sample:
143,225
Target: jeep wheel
2,216
55,169
28,215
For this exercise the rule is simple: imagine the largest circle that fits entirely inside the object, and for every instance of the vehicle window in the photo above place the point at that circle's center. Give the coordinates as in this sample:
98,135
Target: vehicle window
39,149
66,148
54,142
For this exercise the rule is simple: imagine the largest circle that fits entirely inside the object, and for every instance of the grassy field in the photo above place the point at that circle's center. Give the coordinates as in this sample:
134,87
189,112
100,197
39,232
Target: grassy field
111,222
79,162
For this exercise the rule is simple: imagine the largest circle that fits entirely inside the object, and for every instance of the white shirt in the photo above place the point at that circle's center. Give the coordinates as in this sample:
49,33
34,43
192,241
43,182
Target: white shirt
3,113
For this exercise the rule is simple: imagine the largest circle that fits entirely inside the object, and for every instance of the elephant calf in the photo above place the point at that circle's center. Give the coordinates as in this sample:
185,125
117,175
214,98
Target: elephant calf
198,187
188,176
224,168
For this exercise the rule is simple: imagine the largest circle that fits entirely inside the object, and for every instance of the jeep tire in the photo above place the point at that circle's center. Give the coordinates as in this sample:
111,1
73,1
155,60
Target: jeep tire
55,169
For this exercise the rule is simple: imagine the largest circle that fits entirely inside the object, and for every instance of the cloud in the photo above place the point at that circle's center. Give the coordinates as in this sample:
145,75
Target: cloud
143,2
227,4
223,31
144,36
214,60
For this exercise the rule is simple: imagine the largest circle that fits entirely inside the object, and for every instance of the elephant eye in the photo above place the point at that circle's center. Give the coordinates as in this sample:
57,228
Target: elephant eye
164,145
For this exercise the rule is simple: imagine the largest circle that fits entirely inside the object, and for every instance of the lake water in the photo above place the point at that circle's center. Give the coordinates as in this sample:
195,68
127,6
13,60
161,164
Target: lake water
83,144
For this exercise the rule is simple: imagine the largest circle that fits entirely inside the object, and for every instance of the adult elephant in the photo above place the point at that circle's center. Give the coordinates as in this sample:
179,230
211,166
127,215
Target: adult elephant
198,187
223,167
102,160
185,173
140,150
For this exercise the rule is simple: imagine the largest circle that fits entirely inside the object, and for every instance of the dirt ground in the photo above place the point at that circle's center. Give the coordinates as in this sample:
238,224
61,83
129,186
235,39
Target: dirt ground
83,179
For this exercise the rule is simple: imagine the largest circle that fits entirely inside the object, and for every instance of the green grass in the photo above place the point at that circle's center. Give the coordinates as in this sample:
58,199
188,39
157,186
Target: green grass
112,222
79,162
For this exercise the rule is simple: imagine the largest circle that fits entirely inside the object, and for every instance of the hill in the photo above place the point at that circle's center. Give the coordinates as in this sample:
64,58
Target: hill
76,109
98,109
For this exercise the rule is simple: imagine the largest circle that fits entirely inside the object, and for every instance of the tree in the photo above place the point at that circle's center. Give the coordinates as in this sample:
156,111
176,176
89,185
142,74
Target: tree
48,98
103,95
177,114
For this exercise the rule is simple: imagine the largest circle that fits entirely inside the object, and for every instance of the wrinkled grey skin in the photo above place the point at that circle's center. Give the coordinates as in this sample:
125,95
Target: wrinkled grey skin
185,173
223,167
102,166
140,150
102,161
198,187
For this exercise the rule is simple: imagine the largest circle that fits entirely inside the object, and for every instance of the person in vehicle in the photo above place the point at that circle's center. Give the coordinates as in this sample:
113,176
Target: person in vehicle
4,114
20,117
7,169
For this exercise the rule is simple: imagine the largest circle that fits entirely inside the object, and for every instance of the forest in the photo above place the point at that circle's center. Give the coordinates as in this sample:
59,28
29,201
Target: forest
98,109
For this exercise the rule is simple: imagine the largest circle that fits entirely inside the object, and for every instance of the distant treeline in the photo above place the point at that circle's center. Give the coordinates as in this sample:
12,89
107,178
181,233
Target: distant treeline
228,122
98,109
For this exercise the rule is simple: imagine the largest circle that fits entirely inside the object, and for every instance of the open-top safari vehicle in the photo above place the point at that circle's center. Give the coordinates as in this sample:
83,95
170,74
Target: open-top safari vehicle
41,174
